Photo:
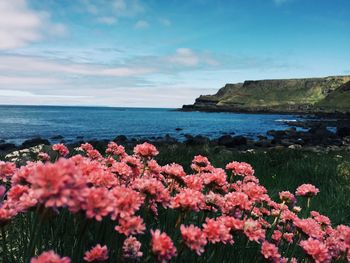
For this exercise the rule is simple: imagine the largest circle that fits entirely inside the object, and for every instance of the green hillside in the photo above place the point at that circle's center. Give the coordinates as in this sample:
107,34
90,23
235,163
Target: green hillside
330,94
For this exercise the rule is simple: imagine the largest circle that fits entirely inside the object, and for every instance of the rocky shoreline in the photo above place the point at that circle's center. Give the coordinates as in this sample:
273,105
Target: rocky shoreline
315,135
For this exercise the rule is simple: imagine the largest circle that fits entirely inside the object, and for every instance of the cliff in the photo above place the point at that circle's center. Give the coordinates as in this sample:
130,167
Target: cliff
308,95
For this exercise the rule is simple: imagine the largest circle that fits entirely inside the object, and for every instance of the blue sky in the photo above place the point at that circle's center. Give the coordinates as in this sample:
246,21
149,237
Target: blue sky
162,53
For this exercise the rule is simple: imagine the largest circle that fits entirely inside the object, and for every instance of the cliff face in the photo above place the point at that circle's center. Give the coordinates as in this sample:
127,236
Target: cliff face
309,95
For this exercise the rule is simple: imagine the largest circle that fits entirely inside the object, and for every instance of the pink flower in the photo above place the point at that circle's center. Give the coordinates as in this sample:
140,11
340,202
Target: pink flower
194,238
216,231
236,200
307,190
43,157
253,230
50,257
96,254
56,183
276,236
174,171
316,249
200,164
98,203
61,148
188,199
321,219
232,223
242,169
131,226
125,202
270,251
131,249
7,169
254,191
287,197
146,150
115,149
310,227
162,246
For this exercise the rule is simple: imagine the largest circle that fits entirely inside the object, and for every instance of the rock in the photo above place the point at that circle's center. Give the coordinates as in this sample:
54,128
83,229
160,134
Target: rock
2,141
57,137
7,146
264,143
197,140
120,139
167,139
343,131
287,142
277,134
232,141
295,146
178,129
34,142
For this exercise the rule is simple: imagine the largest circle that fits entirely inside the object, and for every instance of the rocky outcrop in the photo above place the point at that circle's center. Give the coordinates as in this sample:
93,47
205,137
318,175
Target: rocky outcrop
309,95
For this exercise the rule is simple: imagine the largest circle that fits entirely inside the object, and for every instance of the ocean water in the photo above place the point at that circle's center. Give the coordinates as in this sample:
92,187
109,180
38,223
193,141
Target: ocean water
18,123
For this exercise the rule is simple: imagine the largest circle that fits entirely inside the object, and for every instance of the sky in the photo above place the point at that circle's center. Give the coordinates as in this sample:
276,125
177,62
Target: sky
162,53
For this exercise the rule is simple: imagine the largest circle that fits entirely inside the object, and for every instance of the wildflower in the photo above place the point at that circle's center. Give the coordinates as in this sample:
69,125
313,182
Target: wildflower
50,257
96,254
270,251
217,177
125,202
321,219
232,223
162,246
307,190
253,230
216,231
7,169
115,149
276,235
86,147
194,238
194,182
188,199
146,150
200,164
61,148
287,197
131,226
254,191
43,157
55,183
236,200
316,249
131,249
93,154
174,171
310,227
240,168
98,203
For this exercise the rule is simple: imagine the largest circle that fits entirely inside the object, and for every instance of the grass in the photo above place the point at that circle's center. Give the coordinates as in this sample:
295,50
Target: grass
277,170
280,170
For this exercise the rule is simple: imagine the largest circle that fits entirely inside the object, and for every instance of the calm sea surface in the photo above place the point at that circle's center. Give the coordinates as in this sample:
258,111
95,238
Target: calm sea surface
18,123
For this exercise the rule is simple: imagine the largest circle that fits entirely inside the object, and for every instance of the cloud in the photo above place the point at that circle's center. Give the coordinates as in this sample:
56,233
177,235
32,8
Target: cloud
20,26
187,57
21,80
141,24
165,22
17,64
107,20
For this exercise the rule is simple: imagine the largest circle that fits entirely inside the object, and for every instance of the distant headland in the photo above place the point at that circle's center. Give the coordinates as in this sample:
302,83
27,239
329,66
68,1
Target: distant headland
329,95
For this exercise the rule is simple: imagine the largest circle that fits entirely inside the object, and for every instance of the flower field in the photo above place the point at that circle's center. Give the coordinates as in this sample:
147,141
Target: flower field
88,207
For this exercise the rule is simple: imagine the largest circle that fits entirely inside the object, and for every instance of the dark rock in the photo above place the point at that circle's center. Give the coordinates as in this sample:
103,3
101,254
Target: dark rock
7,146
264,143
343,131
197,140
232,141
277,134
2,141
57,137
120,139
34,142
178,129
167,139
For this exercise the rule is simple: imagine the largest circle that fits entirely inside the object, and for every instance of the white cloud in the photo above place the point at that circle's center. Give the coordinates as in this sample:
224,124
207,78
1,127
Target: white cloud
141,24
108,20
20,80
185,57
19,25
22,64
165,22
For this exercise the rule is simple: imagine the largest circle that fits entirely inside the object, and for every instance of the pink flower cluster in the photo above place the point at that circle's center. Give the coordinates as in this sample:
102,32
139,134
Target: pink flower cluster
119,185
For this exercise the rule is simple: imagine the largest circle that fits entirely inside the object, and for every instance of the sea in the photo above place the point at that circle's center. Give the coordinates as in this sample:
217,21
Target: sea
19,123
